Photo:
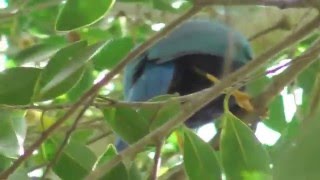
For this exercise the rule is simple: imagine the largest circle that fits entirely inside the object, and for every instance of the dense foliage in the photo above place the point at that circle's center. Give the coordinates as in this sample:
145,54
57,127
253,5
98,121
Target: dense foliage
57,118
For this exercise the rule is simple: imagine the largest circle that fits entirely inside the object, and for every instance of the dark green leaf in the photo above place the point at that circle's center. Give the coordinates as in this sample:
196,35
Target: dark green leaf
242,154
200,160
4,162
79,13
127,123
119,172
75,162
17,85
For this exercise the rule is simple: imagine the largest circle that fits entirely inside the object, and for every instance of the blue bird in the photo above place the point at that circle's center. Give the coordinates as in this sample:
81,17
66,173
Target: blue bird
170,66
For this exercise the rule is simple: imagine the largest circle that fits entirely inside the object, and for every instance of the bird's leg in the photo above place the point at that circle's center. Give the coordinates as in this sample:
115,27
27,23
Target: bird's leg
242,98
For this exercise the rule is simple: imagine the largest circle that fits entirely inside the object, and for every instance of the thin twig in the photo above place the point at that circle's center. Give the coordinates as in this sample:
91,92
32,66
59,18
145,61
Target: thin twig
157,161
99,137
67,138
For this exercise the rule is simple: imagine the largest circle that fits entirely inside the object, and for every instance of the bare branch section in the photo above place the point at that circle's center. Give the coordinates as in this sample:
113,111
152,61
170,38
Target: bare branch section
190,108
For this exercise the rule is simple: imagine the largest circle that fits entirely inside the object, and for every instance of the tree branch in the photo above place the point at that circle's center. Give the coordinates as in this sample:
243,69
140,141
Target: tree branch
282,4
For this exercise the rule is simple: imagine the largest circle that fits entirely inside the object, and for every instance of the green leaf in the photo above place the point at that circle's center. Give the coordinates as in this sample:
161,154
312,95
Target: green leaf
242,154
112,52
287,136
47,88
36,53
21,174
83,85
158,115
134,0
4,162
134,172
307,78
277,119
299,159
200,160
75,162
127,123
13,131
119,172
17,85
79,13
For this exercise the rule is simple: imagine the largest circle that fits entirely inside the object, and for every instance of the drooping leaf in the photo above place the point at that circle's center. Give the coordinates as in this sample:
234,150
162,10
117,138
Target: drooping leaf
79,13
200,160
241,153
17,85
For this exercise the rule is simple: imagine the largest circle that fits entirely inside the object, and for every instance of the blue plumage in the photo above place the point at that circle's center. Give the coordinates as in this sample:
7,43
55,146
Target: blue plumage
169,65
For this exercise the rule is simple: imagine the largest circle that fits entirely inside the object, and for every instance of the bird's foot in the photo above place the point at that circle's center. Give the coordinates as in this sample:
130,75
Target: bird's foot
242,98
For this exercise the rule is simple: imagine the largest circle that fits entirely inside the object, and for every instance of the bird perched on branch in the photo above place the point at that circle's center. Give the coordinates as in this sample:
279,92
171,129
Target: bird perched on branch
183,63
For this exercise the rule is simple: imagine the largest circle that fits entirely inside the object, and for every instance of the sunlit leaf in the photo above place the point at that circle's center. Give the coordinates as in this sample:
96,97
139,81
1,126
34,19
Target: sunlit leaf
78,13
47,88
13,130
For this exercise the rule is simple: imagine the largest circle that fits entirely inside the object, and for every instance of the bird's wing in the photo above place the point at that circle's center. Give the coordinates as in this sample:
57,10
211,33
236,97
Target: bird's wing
144,79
